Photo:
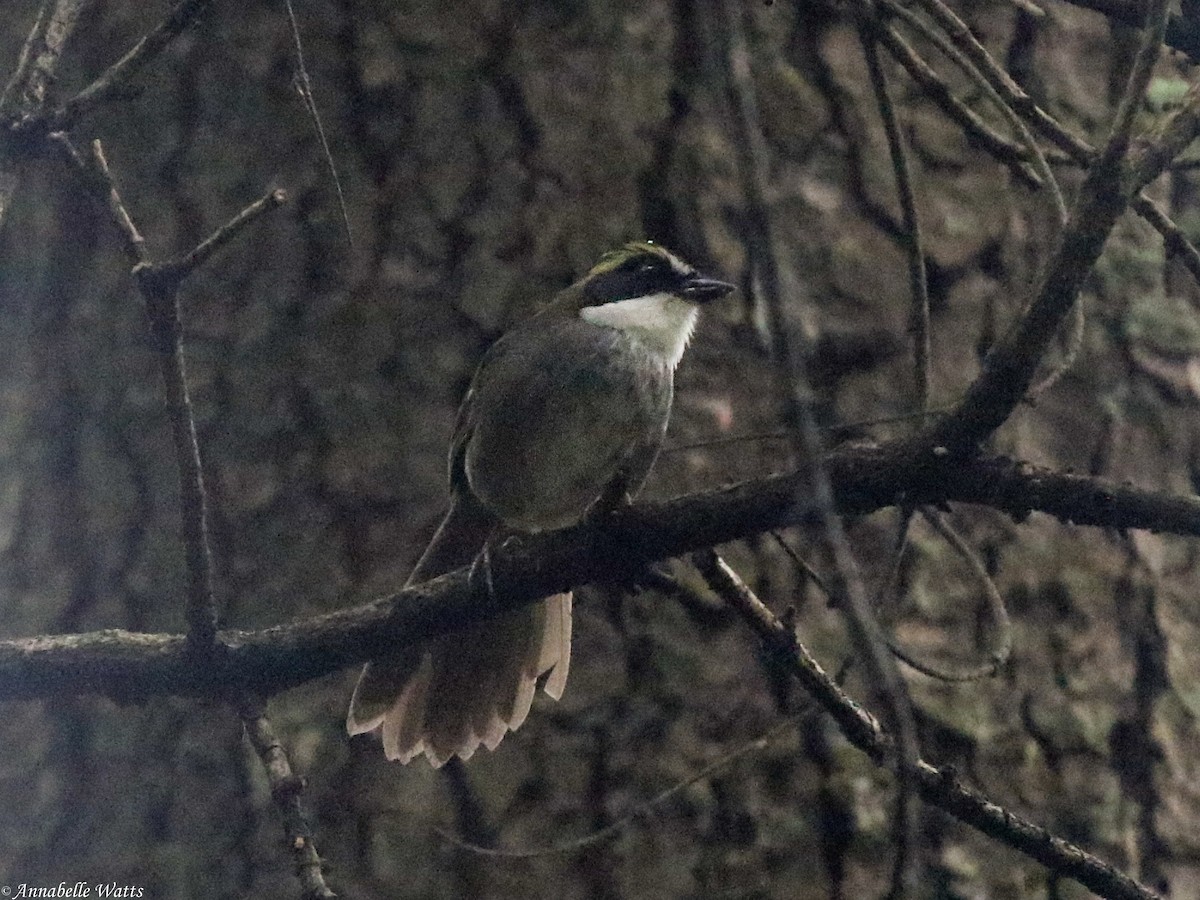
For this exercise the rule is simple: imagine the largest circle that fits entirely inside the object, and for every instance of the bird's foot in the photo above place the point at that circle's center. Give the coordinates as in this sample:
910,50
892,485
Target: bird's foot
613,498
480,575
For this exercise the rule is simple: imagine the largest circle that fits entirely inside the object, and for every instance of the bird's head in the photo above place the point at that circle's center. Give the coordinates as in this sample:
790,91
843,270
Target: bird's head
648,292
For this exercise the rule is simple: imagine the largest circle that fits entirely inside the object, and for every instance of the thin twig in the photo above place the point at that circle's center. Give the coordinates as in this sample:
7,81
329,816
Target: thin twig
162,307
1117,145
159,285
304,88
998,628
638,814
25,58
1016,156
1077,150
1003,102
1074,347
95,172
1108,165
1176,243
181,266
891,578
113,79
286,791
1077,147
796,397
1106,192
803,565
38,67
999,624
937,786
1015,98
162,310
913,245
1029,7
27,90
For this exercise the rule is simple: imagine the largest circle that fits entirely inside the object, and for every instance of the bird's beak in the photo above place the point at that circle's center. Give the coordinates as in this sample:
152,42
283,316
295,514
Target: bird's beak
700,288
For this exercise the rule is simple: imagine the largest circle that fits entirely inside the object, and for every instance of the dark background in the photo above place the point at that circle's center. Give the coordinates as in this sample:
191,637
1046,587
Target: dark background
489,152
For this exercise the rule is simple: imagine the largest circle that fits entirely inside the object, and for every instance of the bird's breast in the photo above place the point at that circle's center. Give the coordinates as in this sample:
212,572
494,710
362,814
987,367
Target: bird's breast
558,416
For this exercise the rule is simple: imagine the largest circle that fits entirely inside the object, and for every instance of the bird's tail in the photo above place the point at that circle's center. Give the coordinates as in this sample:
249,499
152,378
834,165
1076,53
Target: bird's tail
447,696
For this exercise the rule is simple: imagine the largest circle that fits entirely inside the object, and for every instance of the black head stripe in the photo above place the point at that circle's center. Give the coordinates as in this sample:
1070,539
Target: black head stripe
642,274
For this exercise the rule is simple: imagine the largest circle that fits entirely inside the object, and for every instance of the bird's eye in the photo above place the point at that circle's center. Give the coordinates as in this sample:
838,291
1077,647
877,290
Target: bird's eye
647,268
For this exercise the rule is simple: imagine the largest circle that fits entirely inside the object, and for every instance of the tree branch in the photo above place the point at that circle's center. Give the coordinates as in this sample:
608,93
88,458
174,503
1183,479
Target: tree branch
914,247
938,787
159,284
115,77
133,666
27,90
1110,184
286,790
791,351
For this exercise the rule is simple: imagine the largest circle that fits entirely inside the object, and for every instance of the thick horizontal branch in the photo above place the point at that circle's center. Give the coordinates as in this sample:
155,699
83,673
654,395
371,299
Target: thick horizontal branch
132,666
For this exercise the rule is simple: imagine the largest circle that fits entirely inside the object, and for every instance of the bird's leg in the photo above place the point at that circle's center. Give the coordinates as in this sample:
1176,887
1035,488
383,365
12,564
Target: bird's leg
614,496
480,575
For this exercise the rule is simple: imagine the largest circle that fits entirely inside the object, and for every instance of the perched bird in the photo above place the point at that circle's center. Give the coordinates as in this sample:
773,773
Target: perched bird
563,420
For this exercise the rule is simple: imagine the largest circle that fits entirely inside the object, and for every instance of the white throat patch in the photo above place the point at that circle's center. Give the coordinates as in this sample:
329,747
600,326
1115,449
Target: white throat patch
662,322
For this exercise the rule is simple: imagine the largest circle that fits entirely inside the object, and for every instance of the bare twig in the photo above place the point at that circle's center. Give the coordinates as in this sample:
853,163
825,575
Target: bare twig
938,787
914,248
286,791
1014,96
1111,157
111,82
970,64
1071,353
1106,192
24,59
40,57
178,268
1029,7
887,588
304,88
1014,155
1077,149
160,287
795,392
159,284
1153,152
1175,241
29,85
94,170
1075,146
162,306
802,564
998,629
640,813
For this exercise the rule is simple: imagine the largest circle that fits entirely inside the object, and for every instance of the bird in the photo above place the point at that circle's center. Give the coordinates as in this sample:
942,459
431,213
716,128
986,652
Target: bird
562,422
